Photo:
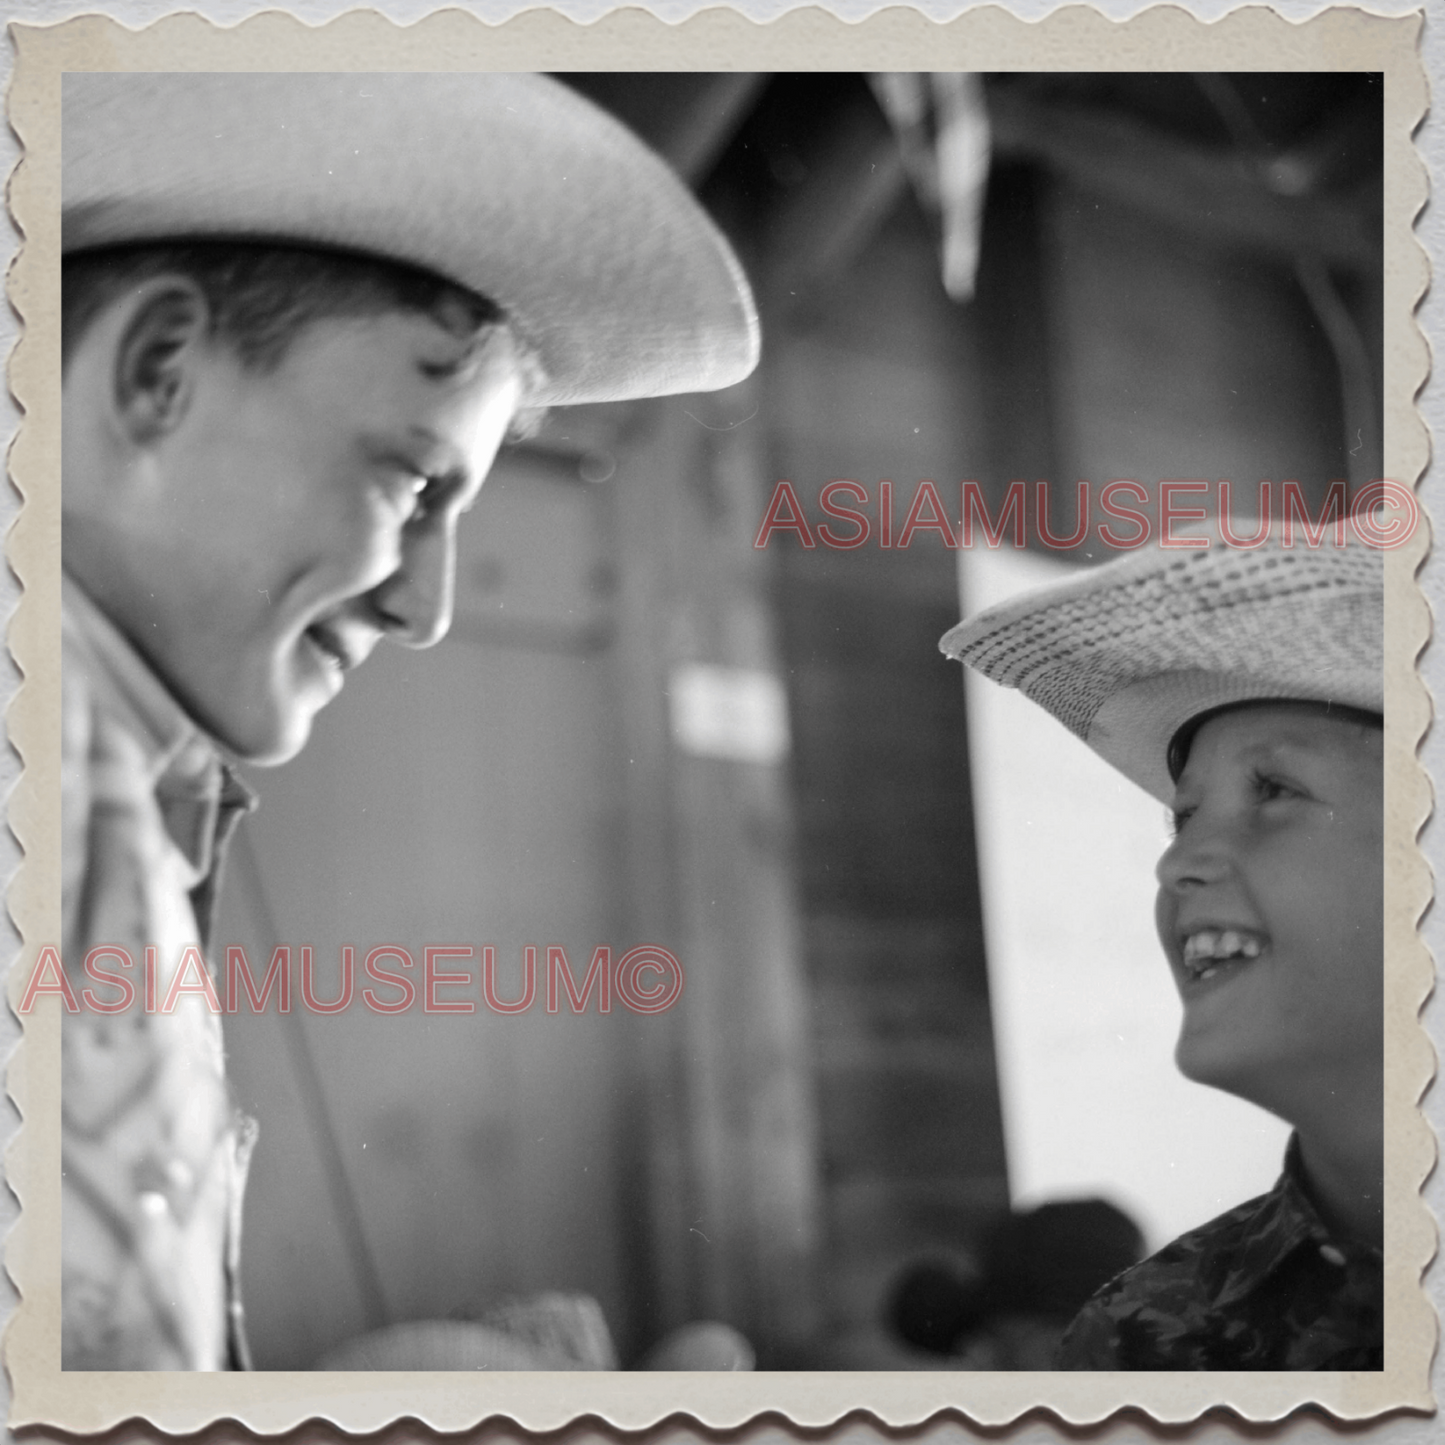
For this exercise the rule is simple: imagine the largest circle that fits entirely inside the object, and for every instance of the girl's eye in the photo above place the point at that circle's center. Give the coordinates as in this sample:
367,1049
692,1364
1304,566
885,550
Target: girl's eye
1269,789
1176,818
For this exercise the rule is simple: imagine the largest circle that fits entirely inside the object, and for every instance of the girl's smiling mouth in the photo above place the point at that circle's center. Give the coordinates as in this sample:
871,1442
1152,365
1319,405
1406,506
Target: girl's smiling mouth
1207,950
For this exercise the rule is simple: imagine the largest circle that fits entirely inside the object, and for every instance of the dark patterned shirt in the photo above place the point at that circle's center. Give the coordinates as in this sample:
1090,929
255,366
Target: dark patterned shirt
1263,1287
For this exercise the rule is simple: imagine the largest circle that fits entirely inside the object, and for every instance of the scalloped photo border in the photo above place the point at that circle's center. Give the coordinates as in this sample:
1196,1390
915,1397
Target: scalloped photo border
1077,38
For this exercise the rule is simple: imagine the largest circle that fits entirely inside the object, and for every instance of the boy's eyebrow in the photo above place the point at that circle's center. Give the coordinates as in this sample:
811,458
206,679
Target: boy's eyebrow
443,454
468,359
427,436
446,370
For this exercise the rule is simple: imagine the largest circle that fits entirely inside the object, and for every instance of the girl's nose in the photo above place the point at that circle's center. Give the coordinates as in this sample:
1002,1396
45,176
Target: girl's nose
1198,855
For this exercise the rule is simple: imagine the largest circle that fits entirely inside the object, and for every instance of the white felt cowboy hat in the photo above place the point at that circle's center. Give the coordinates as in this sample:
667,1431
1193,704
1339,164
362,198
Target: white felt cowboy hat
1128,654
510,184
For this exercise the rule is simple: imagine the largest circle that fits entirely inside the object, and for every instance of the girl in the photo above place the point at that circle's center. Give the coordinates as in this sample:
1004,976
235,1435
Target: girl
1245,690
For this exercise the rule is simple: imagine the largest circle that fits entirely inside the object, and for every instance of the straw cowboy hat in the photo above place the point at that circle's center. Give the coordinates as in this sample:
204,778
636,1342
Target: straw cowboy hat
512,185
1128,654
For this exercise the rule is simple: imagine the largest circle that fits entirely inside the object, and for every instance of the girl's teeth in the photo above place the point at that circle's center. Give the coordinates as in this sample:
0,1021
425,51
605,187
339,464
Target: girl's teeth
1213,946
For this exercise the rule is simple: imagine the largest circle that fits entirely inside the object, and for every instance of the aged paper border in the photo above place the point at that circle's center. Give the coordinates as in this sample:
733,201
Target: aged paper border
1075,38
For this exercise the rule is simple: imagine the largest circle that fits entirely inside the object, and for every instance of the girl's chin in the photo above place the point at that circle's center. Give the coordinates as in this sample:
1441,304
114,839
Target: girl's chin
1205,1060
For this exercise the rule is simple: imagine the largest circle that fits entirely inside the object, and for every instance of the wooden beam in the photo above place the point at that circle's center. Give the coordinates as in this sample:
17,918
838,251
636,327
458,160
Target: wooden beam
705,125
1215,196
689,119
855,180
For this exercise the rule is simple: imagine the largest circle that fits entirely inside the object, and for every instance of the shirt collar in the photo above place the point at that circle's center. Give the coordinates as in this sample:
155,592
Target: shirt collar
1284,1219
198,792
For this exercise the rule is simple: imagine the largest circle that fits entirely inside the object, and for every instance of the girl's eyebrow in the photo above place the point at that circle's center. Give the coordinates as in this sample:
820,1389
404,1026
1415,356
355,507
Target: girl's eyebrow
1309,742
1263,752
1308,759
1285,756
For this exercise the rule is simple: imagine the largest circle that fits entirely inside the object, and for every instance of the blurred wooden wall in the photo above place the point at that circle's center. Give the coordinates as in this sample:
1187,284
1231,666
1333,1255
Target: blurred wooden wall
729,1138
876,380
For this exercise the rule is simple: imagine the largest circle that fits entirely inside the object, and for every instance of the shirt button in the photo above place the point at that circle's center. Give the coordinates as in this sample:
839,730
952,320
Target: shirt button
1331,1254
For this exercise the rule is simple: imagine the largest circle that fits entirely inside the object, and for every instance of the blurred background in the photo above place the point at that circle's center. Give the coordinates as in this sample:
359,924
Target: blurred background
922,988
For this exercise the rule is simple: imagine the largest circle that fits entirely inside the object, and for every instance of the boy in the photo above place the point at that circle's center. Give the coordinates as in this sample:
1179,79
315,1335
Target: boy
1245,690
300,314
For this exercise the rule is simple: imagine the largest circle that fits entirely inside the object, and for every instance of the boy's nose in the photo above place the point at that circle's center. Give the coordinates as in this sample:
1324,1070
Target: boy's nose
415,602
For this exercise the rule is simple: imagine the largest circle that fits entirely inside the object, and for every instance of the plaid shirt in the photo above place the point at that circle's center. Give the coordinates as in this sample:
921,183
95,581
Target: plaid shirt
153,1152
1263,1287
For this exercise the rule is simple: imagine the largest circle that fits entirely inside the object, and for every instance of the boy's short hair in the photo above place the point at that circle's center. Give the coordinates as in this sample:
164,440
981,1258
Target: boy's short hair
261,296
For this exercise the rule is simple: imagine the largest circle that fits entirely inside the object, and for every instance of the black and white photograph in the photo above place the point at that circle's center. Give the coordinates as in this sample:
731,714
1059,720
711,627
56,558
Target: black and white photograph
721,723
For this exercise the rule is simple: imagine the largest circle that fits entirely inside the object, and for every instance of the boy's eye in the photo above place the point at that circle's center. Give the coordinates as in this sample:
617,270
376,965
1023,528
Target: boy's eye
401,488
426,492
417,495
437,492
1176,818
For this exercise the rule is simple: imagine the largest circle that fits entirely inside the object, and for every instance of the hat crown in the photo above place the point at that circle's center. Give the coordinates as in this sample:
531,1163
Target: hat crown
511,185
1129,652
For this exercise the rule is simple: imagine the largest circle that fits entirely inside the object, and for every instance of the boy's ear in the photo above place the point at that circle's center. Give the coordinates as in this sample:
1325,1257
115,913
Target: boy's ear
156,355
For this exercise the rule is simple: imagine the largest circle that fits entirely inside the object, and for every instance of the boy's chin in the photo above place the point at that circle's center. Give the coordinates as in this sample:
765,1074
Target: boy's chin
268,743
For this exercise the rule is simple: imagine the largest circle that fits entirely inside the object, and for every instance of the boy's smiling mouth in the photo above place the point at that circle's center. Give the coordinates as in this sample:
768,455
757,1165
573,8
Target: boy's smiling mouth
330,645
1207,950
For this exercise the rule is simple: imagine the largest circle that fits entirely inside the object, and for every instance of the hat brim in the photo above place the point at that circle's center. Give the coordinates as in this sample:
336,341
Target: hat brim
509,184
1127,654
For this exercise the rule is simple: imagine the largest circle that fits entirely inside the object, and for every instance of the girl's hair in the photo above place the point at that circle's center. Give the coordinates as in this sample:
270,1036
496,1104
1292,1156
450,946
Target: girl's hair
1183,740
